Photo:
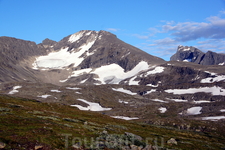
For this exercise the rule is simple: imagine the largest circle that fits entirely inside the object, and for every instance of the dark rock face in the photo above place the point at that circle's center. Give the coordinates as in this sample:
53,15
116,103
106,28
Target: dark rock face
14,51
212,58
192,54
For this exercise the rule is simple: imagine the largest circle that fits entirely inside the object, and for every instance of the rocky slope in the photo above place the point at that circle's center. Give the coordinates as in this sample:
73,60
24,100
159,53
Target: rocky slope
13,52
192,54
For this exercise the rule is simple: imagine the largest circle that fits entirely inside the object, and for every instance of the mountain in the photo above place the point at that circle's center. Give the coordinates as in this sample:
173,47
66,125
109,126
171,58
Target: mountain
192,54
95,71
85,54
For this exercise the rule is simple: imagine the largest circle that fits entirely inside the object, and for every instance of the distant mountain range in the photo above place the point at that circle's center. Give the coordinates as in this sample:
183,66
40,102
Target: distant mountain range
96,71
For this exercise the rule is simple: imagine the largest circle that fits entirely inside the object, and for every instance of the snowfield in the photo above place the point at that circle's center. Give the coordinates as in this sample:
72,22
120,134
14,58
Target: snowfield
215,90
124,118
113,73
63,57
217,78
124,91
15,89
92,106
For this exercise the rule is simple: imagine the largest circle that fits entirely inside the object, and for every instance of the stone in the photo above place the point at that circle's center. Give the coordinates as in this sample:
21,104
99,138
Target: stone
134,136
2,145
172,141
148,147
38,147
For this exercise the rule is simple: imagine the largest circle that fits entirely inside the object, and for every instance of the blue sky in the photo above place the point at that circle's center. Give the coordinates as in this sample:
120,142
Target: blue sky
155,26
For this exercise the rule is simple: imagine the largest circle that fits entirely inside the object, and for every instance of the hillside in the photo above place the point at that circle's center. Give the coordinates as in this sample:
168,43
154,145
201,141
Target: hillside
29,124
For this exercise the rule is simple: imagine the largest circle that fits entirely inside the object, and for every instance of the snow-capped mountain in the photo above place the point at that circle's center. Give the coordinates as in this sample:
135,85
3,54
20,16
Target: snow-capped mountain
90,57
192,54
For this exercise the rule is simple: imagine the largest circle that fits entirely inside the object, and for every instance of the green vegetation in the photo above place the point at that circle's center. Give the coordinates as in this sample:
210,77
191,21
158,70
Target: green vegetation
29,124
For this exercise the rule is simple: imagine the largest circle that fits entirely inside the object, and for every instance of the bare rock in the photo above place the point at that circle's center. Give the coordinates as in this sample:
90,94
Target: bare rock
172,141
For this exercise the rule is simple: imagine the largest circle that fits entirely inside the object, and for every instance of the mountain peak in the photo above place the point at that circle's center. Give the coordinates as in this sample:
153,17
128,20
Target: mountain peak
192,54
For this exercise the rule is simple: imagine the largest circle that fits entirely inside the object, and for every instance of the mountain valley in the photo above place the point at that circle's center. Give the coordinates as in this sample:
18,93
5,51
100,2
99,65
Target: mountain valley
95,71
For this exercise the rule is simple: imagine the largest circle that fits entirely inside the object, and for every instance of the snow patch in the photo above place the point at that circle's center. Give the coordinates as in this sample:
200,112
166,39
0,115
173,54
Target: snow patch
213,79
222,110
124,91
124,118
15,89
74,37
178,100
132,82
75,88
162,109
120,101
186,49
194,110
151,91
213,90
57,91
92,106
152,85
201,101
83,81
156,70
187,60
221,63
158,100
213,118
44,96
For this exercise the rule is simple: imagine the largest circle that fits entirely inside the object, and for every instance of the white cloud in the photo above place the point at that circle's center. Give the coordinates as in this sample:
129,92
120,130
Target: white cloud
165,41
141,36
213,28
112,29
